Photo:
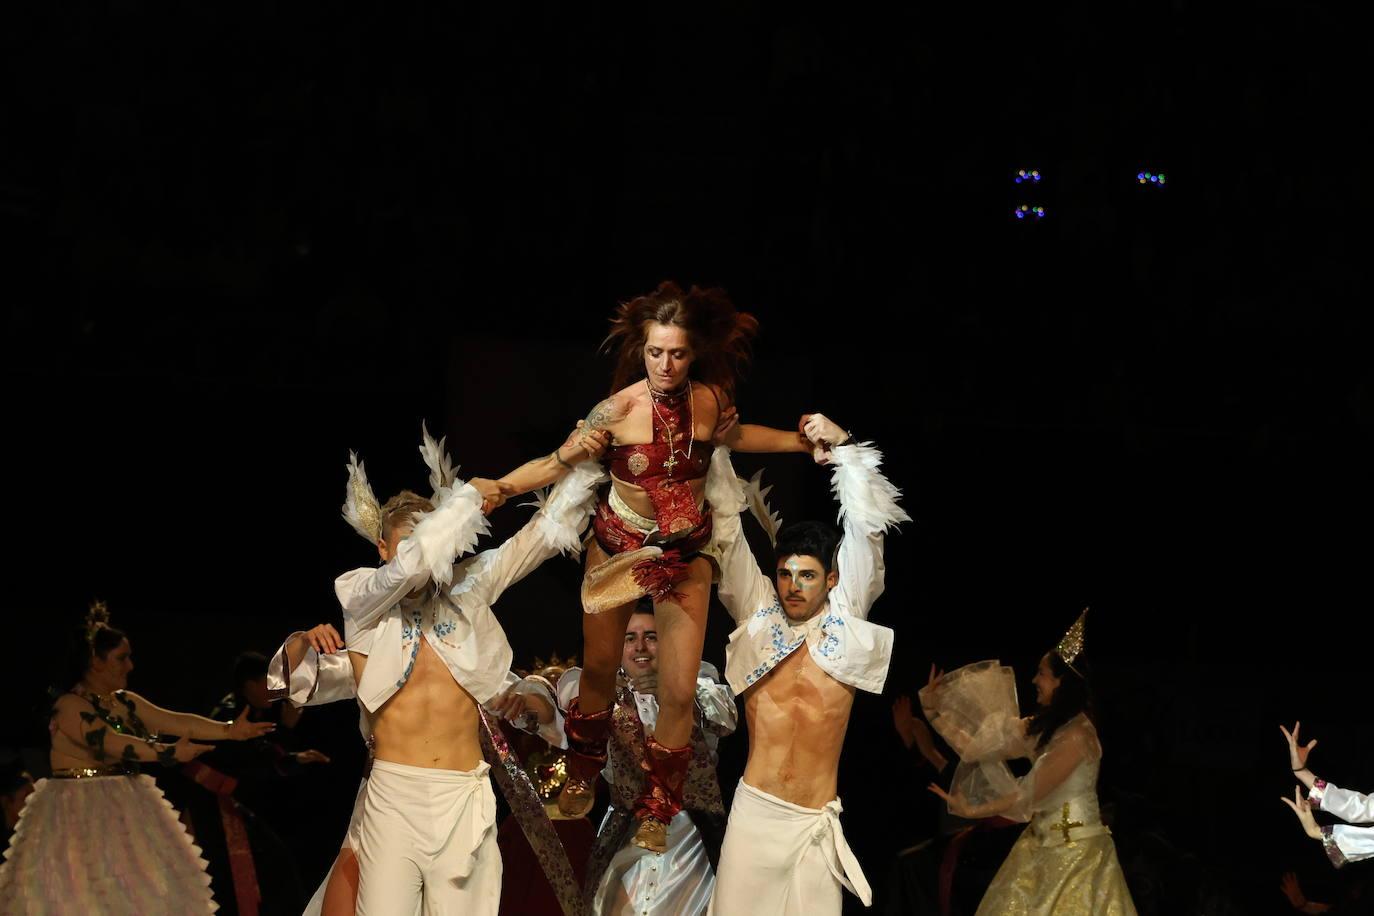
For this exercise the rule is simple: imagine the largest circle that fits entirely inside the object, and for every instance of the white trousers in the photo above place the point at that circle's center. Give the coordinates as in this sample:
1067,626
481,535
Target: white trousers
426,842
780,859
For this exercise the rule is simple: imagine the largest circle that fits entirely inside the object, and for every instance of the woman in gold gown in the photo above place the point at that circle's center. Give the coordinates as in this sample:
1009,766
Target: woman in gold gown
1064,863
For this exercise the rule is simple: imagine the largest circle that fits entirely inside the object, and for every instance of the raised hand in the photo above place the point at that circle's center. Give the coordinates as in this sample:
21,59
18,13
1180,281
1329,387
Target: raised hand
508,705
1303,810
821,430
1297,753
936,679
726,423
591,441
324,639
958,805
494,493
243,729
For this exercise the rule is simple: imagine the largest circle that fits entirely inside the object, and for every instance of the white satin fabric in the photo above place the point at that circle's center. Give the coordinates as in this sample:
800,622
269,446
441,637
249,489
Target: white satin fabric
1345,843
678,882
780,859
426,842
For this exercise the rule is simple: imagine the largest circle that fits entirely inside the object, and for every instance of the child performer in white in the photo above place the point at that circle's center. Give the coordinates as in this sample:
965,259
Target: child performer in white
784,851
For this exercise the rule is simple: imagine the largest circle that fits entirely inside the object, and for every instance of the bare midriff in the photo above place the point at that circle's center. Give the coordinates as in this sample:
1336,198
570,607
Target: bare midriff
797,719
430,722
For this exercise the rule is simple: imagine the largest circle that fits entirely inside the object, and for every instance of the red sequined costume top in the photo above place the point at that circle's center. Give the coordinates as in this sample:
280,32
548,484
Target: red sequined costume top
664,468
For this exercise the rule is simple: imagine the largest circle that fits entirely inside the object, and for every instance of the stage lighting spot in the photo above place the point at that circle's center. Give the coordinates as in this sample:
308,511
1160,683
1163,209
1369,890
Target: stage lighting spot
1023,176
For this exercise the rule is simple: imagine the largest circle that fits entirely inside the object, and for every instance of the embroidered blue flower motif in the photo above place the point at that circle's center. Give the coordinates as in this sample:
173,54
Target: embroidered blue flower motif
777,638
830,645
444,627
410,634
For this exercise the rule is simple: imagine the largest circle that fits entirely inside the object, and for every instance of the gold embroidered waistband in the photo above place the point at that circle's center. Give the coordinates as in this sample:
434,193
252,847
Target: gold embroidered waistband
88,772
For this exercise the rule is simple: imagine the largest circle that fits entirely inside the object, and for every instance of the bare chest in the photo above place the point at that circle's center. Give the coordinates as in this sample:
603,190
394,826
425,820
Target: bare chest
799,690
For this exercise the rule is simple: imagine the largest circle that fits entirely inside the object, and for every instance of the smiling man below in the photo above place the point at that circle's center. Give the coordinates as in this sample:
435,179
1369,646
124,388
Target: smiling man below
784,851
624,878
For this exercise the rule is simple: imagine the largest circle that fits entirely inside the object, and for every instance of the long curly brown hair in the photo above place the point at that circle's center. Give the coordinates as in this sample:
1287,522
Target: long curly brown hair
719,334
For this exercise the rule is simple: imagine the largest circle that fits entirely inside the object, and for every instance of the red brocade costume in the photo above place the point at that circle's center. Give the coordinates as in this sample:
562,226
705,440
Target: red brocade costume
664,468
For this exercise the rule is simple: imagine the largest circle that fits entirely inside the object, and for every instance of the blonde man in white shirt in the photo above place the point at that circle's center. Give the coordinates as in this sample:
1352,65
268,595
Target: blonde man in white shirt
802,647
425,651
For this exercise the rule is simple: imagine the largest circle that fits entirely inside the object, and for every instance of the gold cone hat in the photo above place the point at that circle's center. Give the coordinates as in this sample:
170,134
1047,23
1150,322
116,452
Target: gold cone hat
1071,646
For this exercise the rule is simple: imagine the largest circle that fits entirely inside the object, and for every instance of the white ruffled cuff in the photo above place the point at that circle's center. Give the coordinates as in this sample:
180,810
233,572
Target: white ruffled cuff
450,531
563,513
867,498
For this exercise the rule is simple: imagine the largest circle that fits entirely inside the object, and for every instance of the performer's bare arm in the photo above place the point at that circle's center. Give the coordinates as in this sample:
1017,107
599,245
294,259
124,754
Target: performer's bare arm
197,728
1049,774
586,441
512,704
82,735
750,437
323,638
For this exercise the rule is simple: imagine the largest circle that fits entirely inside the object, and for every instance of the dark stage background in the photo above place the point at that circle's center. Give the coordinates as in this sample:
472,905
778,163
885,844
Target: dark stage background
243,241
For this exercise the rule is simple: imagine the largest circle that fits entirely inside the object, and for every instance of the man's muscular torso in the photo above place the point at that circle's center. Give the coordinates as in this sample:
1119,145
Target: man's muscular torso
430,721
797,719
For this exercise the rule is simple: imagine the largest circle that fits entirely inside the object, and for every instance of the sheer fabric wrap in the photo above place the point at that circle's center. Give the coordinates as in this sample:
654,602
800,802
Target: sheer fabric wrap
976,710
